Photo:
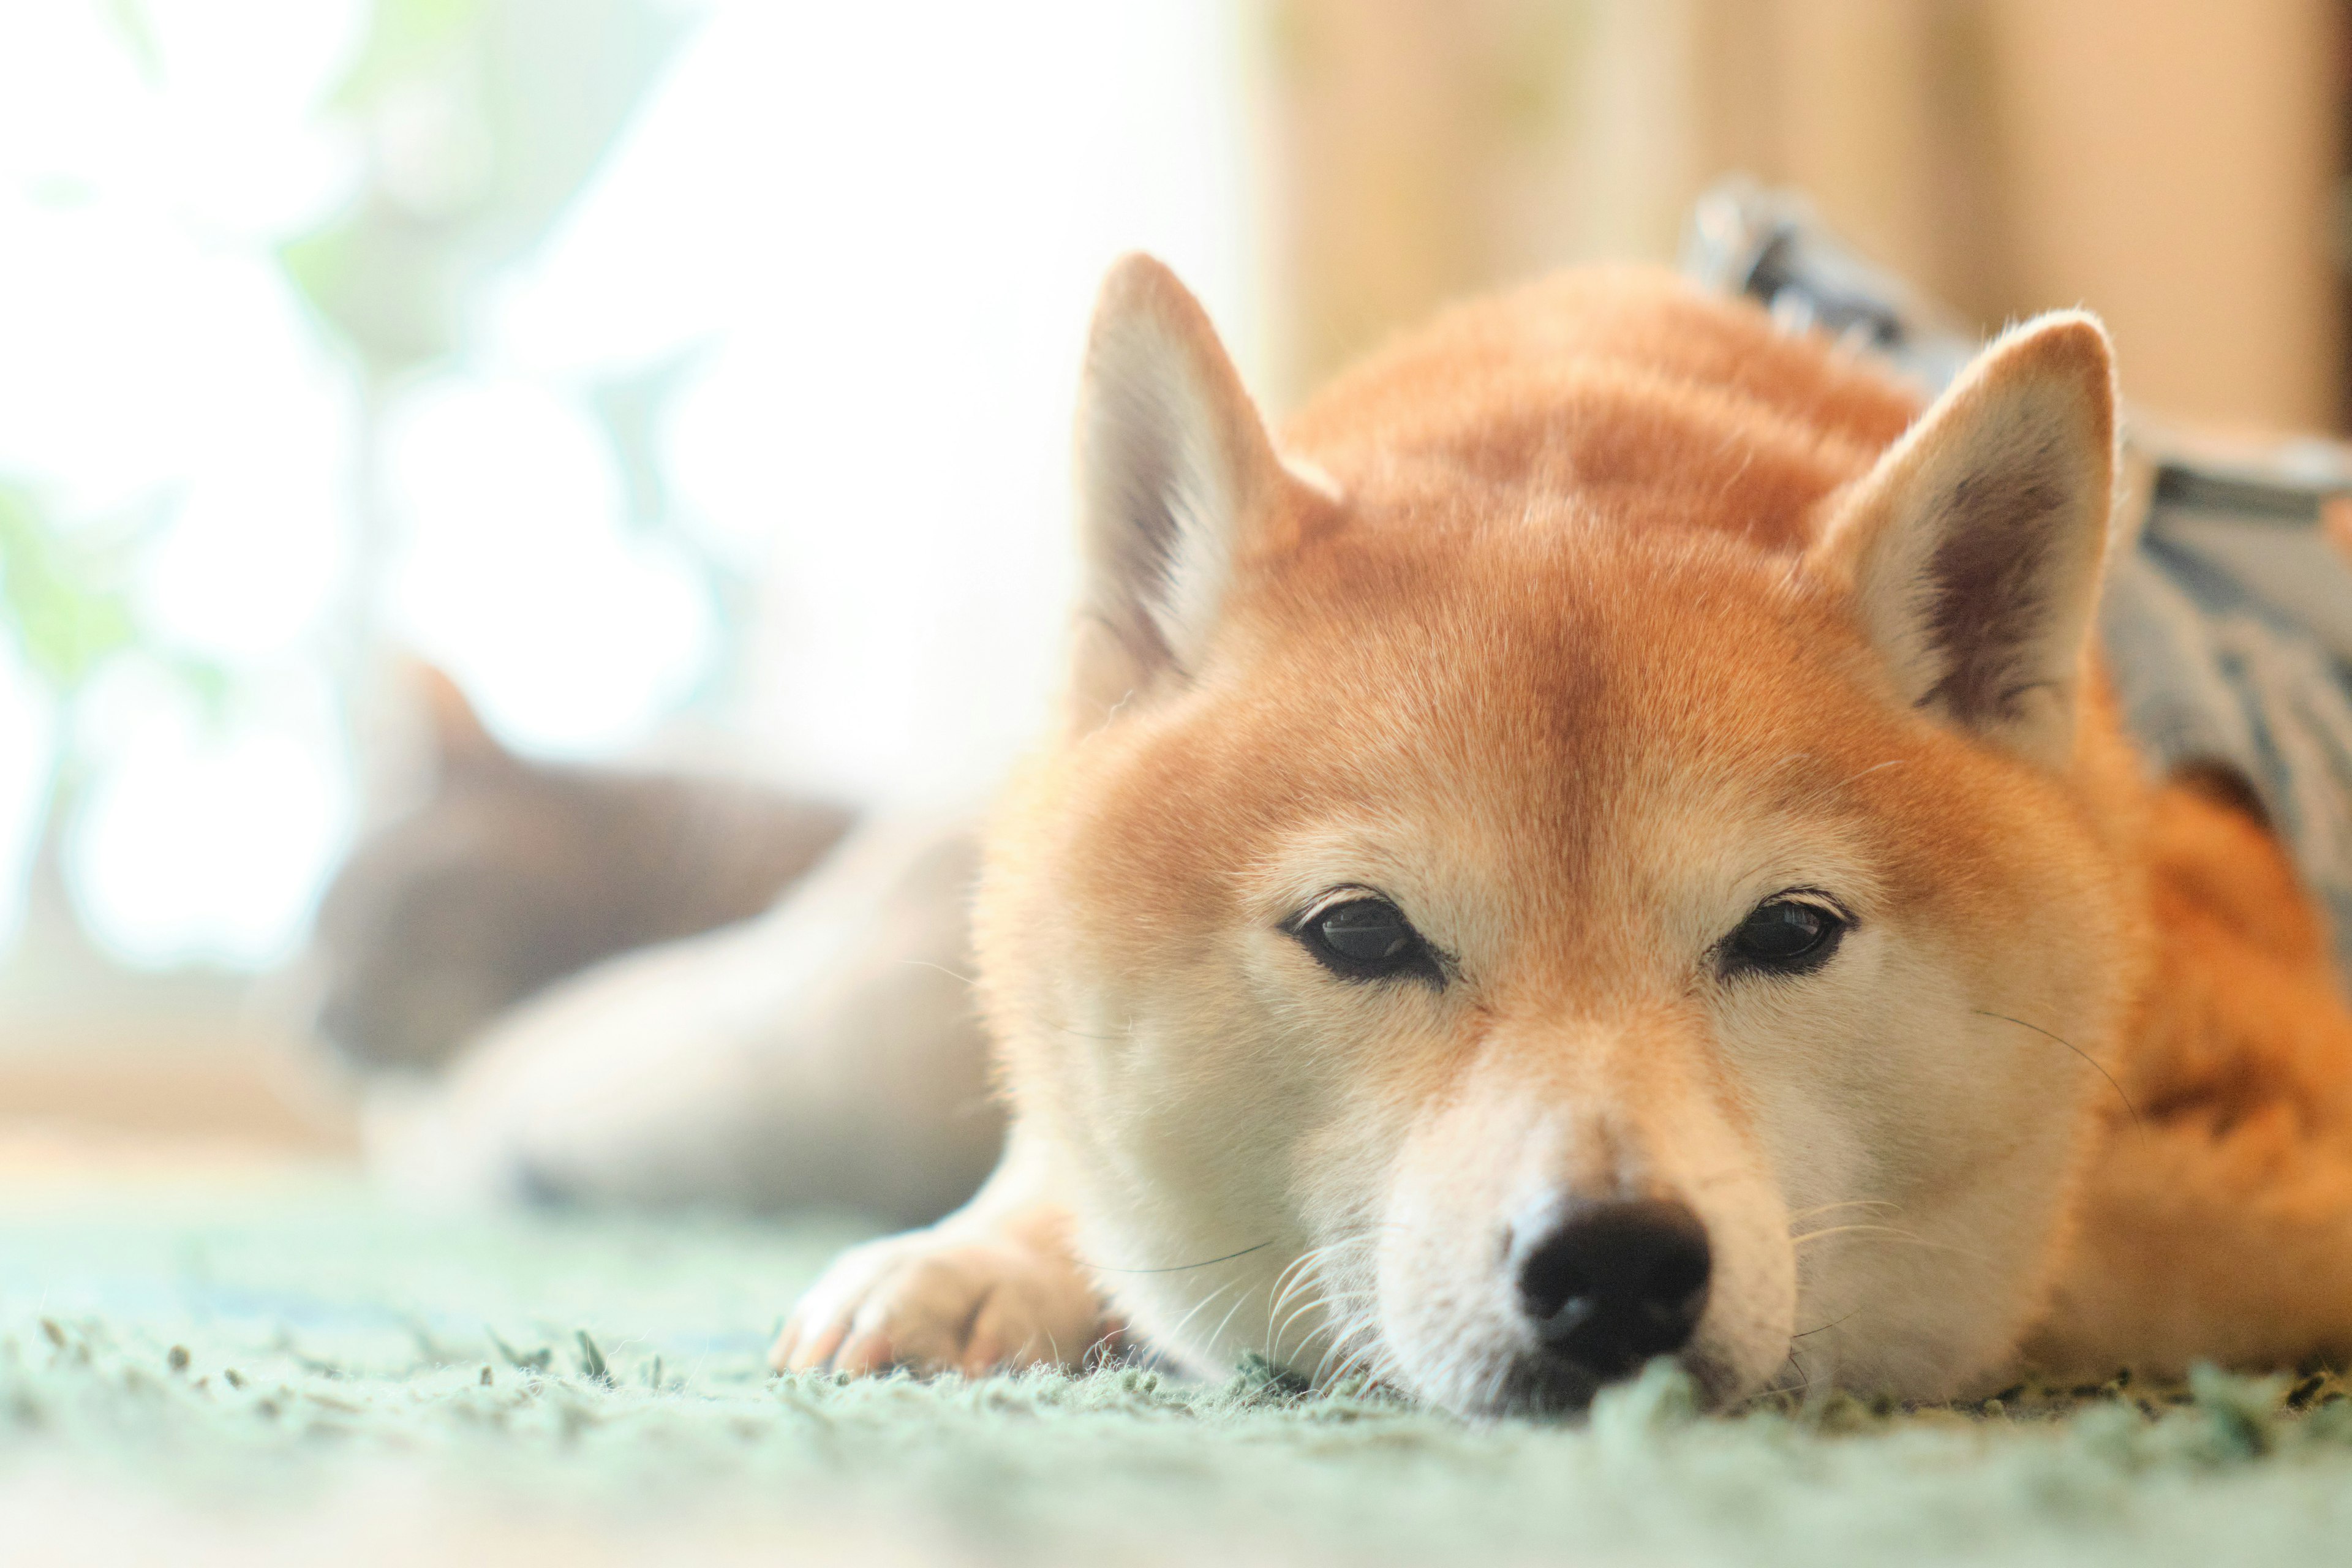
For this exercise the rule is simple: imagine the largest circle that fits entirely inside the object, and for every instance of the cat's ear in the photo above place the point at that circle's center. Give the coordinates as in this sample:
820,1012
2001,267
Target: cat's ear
462,747
1972,551
1174,469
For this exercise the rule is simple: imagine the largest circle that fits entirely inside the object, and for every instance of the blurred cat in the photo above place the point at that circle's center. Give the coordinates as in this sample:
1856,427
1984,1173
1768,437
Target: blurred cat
552,982
826,1054
514,873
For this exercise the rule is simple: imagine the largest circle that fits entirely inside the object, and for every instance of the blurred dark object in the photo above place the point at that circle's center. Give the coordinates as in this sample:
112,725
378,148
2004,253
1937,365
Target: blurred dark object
1773,247
515,874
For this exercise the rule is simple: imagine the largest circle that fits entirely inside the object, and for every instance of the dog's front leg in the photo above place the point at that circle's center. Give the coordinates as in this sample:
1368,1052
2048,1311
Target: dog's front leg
994,1285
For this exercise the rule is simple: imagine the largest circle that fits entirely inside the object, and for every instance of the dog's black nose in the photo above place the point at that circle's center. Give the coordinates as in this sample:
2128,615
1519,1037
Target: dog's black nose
1608,1285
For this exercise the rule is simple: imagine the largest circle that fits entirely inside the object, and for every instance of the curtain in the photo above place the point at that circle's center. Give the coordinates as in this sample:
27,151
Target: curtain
2173,164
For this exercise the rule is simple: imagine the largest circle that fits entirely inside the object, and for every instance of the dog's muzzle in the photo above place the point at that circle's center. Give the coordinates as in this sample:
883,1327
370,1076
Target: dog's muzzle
1605,1286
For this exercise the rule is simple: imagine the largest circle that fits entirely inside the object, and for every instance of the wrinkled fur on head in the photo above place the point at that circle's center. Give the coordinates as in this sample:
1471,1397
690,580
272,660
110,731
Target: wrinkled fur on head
1576,626
513,874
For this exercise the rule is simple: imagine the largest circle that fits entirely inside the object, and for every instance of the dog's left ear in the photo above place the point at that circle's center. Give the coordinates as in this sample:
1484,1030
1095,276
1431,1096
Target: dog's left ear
1174,470
1973,549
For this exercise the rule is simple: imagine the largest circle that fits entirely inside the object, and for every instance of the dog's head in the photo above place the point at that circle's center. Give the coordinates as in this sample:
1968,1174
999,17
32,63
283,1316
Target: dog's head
1596,866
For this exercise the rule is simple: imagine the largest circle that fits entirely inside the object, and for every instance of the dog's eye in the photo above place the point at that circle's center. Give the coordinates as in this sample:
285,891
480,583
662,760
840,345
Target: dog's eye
1785,934
1367,939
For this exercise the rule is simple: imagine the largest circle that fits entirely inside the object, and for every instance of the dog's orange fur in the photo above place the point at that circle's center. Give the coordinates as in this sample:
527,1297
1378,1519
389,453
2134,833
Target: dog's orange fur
2214,1219
1556,602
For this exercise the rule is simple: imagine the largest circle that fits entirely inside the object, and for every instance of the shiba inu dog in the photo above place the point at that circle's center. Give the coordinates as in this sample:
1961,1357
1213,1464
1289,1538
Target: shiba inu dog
1609,837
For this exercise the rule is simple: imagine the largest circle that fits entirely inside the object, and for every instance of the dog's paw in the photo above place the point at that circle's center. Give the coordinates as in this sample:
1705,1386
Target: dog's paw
934,1301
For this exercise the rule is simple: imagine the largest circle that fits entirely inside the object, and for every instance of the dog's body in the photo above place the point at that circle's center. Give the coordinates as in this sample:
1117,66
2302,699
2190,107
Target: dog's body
1615,841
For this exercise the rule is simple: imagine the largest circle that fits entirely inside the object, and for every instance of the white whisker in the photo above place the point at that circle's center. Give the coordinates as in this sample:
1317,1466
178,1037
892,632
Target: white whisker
1848,1203
1892,1234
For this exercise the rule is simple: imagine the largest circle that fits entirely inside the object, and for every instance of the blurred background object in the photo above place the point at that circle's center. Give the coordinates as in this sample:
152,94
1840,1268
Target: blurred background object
692,381
689,381
512,874
2176,165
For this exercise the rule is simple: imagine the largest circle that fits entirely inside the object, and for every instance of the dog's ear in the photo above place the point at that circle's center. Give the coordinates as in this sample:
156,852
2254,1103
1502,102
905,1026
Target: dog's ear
1973,549
1174,466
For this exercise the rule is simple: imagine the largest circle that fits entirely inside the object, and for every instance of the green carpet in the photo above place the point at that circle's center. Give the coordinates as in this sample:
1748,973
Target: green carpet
312,1372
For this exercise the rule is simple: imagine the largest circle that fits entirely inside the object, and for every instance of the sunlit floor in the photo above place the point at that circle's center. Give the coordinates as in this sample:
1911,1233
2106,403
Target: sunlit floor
210,1351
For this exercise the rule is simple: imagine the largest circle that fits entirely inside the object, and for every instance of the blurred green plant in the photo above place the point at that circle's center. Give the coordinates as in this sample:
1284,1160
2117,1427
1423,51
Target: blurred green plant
481,121
68,604
63,593
67,601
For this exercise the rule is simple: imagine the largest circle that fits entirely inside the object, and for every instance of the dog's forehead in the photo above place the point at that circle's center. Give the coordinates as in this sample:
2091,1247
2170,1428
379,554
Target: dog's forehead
1553,651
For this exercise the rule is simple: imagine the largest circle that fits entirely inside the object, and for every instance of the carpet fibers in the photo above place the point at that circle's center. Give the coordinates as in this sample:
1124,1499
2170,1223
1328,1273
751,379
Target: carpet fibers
303,1375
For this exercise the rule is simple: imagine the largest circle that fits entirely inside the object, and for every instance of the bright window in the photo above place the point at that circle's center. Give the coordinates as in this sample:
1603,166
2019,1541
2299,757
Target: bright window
642,364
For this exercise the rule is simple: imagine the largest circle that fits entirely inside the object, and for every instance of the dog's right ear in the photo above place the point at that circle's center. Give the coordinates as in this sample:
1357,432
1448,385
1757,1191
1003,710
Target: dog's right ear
1972,553
1173,468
